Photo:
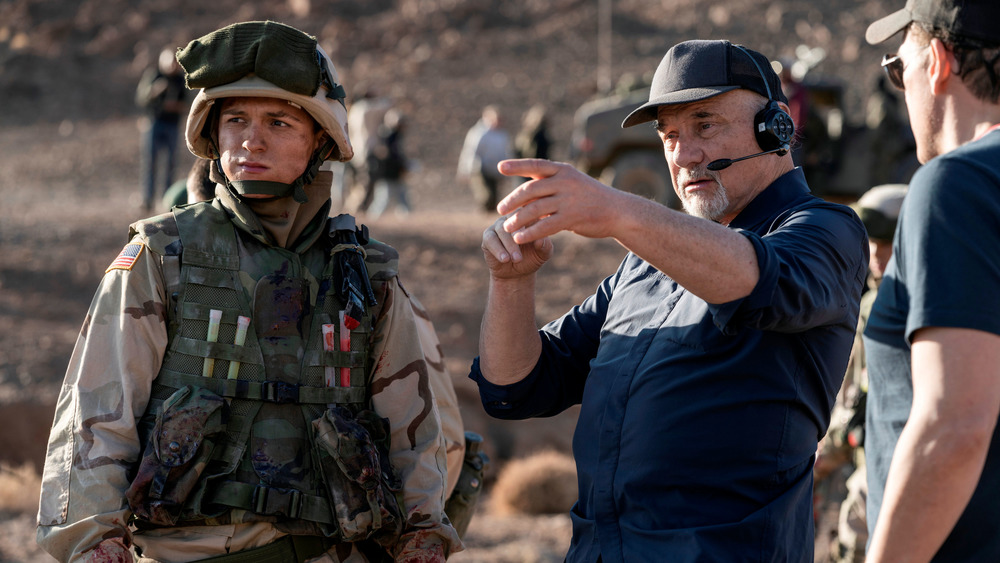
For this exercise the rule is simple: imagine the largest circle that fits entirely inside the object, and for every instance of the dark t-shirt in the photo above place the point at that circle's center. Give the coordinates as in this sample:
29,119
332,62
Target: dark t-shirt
945,272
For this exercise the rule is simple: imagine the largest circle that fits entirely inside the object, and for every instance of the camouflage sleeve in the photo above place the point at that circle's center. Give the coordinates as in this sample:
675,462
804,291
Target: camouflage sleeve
402,392
445,398
93,440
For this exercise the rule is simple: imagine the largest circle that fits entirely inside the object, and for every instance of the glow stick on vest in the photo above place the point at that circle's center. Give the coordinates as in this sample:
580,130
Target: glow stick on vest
345,346
214,319
242,323
329,333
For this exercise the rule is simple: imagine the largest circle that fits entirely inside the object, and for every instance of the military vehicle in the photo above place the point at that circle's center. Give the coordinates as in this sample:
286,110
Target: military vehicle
628,159
841,159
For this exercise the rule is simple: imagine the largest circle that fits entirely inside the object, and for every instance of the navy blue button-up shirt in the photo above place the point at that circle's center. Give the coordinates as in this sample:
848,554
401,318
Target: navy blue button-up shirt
699,422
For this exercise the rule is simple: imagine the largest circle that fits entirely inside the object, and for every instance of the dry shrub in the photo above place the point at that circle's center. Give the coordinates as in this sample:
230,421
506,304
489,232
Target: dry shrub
19,488
542,483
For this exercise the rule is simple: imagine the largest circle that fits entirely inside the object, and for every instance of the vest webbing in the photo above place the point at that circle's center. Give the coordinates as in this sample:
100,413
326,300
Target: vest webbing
206,276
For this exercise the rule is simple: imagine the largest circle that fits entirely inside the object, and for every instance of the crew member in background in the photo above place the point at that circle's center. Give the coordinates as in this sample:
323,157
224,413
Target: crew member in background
486,144
840,489
161,93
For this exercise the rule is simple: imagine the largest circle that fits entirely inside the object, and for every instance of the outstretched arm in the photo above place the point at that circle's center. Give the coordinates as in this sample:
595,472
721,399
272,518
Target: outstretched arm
708,259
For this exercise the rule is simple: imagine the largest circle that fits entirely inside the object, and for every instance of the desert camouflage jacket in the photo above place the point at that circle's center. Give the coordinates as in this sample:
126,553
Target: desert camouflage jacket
94,441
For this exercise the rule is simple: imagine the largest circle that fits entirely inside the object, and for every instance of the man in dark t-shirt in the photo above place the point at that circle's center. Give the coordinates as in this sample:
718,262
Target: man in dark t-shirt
933,338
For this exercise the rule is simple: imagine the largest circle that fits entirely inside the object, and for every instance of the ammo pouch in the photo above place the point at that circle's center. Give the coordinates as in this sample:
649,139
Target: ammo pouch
354,457
176,453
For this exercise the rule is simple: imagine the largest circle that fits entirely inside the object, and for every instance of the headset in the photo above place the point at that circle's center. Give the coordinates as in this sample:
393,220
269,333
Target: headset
772,126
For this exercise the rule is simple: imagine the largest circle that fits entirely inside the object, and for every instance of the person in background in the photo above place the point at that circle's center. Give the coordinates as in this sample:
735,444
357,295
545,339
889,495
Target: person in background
932,442
840,489
161,93
252,383
364,119
707,365
390,169
532,141
486,144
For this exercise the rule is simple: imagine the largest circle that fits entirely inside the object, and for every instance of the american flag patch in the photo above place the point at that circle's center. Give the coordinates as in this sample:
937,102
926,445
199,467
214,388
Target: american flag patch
127,257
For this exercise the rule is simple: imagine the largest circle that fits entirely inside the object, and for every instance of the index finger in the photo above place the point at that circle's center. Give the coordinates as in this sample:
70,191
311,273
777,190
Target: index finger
528,167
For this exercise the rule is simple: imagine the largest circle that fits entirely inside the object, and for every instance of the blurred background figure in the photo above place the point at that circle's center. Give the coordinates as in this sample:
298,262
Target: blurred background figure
486,144
389,167
840,487
893,148
364,118
532,141
798,101
161,93
198,186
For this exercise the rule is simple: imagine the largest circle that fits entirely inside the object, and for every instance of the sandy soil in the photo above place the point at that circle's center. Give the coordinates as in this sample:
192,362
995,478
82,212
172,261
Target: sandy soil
69,153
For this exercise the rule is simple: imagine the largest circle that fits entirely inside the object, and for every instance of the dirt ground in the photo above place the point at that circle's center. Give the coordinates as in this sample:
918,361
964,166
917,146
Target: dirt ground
69,154
67,201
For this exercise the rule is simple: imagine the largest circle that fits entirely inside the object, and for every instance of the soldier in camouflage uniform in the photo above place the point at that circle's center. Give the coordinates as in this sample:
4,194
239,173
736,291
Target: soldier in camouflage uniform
841,488
252,381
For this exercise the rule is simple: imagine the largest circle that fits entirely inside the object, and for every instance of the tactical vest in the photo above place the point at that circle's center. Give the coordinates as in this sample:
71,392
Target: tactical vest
278,427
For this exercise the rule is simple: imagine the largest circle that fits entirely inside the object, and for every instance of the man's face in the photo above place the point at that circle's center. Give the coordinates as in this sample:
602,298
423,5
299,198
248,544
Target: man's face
697,133
265,139
913,55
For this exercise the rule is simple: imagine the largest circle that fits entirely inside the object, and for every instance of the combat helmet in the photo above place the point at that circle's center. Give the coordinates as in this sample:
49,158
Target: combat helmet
879,210
271,60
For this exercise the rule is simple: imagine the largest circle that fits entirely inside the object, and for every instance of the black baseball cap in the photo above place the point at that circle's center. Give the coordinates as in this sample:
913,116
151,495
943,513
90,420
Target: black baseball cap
974,19
699,69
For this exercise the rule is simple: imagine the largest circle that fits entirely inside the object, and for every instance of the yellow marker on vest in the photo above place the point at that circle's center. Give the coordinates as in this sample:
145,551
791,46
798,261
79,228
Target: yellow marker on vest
242,323
214,320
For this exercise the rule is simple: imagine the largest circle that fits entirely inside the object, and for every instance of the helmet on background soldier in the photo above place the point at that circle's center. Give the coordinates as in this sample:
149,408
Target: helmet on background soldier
270,60
879,209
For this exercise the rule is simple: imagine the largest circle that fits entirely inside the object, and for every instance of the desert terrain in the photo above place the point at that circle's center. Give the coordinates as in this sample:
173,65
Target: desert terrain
69,153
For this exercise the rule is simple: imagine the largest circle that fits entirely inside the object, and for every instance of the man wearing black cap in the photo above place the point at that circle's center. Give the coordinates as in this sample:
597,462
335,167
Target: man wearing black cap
933,339
706,366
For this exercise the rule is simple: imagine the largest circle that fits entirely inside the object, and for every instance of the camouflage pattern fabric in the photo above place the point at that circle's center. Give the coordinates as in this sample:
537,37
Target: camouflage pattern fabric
840,490
94,443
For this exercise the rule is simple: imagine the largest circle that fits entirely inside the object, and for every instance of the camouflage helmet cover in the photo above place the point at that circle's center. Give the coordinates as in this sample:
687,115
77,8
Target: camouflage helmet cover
263,59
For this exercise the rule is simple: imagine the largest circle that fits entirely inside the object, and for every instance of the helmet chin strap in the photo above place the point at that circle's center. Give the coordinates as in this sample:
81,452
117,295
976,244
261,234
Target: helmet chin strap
279,189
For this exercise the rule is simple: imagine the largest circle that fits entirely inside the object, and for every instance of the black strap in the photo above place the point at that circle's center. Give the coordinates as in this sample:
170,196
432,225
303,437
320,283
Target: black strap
268,391
272,501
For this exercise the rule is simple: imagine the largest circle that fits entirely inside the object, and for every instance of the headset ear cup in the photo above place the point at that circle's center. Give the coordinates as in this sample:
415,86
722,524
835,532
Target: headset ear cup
773,127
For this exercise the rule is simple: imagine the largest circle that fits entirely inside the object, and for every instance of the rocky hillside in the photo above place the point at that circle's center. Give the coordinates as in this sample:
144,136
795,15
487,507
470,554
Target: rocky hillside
66,61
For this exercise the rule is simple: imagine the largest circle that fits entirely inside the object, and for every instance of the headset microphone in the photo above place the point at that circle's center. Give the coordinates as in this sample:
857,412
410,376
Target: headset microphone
724,163
773,127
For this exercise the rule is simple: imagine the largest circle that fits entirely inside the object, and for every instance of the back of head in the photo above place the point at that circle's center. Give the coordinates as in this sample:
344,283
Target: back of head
491,116
879,209
969,28
266,60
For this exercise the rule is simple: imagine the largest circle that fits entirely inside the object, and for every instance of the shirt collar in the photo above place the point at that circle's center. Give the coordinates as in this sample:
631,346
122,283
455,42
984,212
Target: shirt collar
777,196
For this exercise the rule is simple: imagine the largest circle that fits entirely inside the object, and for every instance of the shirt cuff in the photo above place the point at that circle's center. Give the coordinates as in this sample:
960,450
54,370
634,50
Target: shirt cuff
724,315
500,399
